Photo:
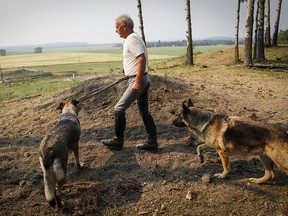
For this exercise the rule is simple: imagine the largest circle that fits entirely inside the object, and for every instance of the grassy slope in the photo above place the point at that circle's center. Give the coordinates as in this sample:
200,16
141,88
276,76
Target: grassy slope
221,61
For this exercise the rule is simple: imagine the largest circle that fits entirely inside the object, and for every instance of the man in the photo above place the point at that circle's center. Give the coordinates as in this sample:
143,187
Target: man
135,63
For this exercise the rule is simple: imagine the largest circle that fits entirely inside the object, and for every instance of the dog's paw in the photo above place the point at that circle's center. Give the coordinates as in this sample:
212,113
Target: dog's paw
220,175
259,180
254,180
80,166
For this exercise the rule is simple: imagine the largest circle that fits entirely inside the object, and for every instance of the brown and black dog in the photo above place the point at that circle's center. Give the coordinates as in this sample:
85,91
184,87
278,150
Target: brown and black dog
228,137
54,150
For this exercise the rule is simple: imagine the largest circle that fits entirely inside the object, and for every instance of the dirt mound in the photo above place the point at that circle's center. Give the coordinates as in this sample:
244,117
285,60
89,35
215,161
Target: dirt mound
131,182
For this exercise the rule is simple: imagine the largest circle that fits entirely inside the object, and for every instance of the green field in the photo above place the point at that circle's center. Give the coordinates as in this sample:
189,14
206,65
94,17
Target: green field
25,74
91,56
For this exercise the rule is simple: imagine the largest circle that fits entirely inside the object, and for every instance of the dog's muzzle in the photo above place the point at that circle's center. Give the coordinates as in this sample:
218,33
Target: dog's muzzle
179,123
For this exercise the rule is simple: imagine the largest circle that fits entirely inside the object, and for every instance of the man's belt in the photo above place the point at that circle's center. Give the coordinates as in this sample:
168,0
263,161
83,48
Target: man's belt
132,76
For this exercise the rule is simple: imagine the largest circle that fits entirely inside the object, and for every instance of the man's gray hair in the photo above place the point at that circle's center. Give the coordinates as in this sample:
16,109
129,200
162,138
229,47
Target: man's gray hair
126,20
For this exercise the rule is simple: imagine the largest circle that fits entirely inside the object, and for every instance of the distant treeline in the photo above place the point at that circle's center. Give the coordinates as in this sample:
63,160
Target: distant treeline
184,43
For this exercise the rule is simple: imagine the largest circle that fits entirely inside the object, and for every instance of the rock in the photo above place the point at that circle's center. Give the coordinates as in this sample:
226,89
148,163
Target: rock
26,154
105,103
206,178
189,195
172,111
253,117
42,119
21,183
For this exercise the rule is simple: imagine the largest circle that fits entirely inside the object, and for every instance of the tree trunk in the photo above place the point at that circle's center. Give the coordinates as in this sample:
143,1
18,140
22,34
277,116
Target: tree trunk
237,60
189,35
276,26
249,32
141,26
256,32
267,37
260,32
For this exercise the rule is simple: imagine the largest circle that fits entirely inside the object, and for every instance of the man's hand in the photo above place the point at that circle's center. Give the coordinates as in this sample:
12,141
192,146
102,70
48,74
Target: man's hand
136,87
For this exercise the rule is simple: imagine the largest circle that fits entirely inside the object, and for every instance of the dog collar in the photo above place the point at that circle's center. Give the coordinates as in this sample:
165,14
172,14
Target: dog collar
69,117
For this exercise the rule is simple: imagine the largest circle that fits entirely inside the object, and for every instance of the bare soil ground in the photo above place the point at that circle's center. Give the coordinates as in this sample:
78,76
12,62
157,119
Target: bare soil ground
133,182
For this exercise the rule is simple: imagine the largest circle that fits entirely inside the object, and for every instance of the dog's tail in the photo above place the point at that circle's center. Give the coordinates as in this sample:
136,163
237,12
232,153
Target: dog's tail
49,176
50,186
46,161
53,173
49,180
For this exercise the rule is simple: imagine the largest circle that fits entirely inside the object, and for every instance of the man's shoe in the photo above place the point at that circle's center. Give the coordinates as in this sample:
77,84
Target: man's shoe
114,143
148,146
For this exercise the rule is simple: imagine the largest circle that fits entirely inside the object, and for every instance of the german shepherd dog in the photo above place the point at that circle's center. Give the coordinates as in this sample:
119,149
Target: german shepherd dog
228,137
54,150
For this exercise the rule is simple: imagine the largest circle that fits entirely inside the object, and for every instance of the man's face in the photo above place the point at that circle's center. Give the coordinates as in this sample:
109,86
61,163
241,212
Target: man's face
120,29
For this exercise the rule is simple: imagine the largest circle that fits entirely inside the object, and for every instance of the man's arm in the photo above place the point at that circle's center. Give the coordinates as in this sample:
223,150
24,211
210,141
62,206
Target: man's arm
140,72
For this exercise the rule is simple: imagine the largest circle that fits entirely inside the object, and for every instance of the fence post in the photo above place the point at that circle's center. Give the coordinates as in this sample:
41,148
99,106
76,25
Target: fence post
2,80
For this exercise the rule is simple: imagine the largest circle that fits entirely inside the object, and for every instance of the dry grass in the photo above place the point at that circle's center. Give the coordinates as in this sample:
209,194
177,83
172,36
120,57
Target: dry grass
223,62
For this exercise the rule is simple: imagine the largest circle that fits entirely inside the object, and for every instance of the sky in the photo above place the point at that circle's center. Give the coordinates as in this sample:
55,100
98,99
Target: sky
33,22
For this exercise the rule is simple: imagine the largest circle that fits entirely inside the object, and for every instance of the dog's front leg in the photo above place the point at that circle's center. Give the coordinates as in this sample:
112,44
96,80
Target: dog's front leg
220,143
201,150
223,125
224,156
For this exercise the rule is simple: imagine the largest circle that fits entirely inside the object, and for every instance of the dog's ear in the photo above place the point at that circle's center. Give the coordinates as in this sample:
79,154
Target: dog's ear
75,102
190,103
60,106
185,108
